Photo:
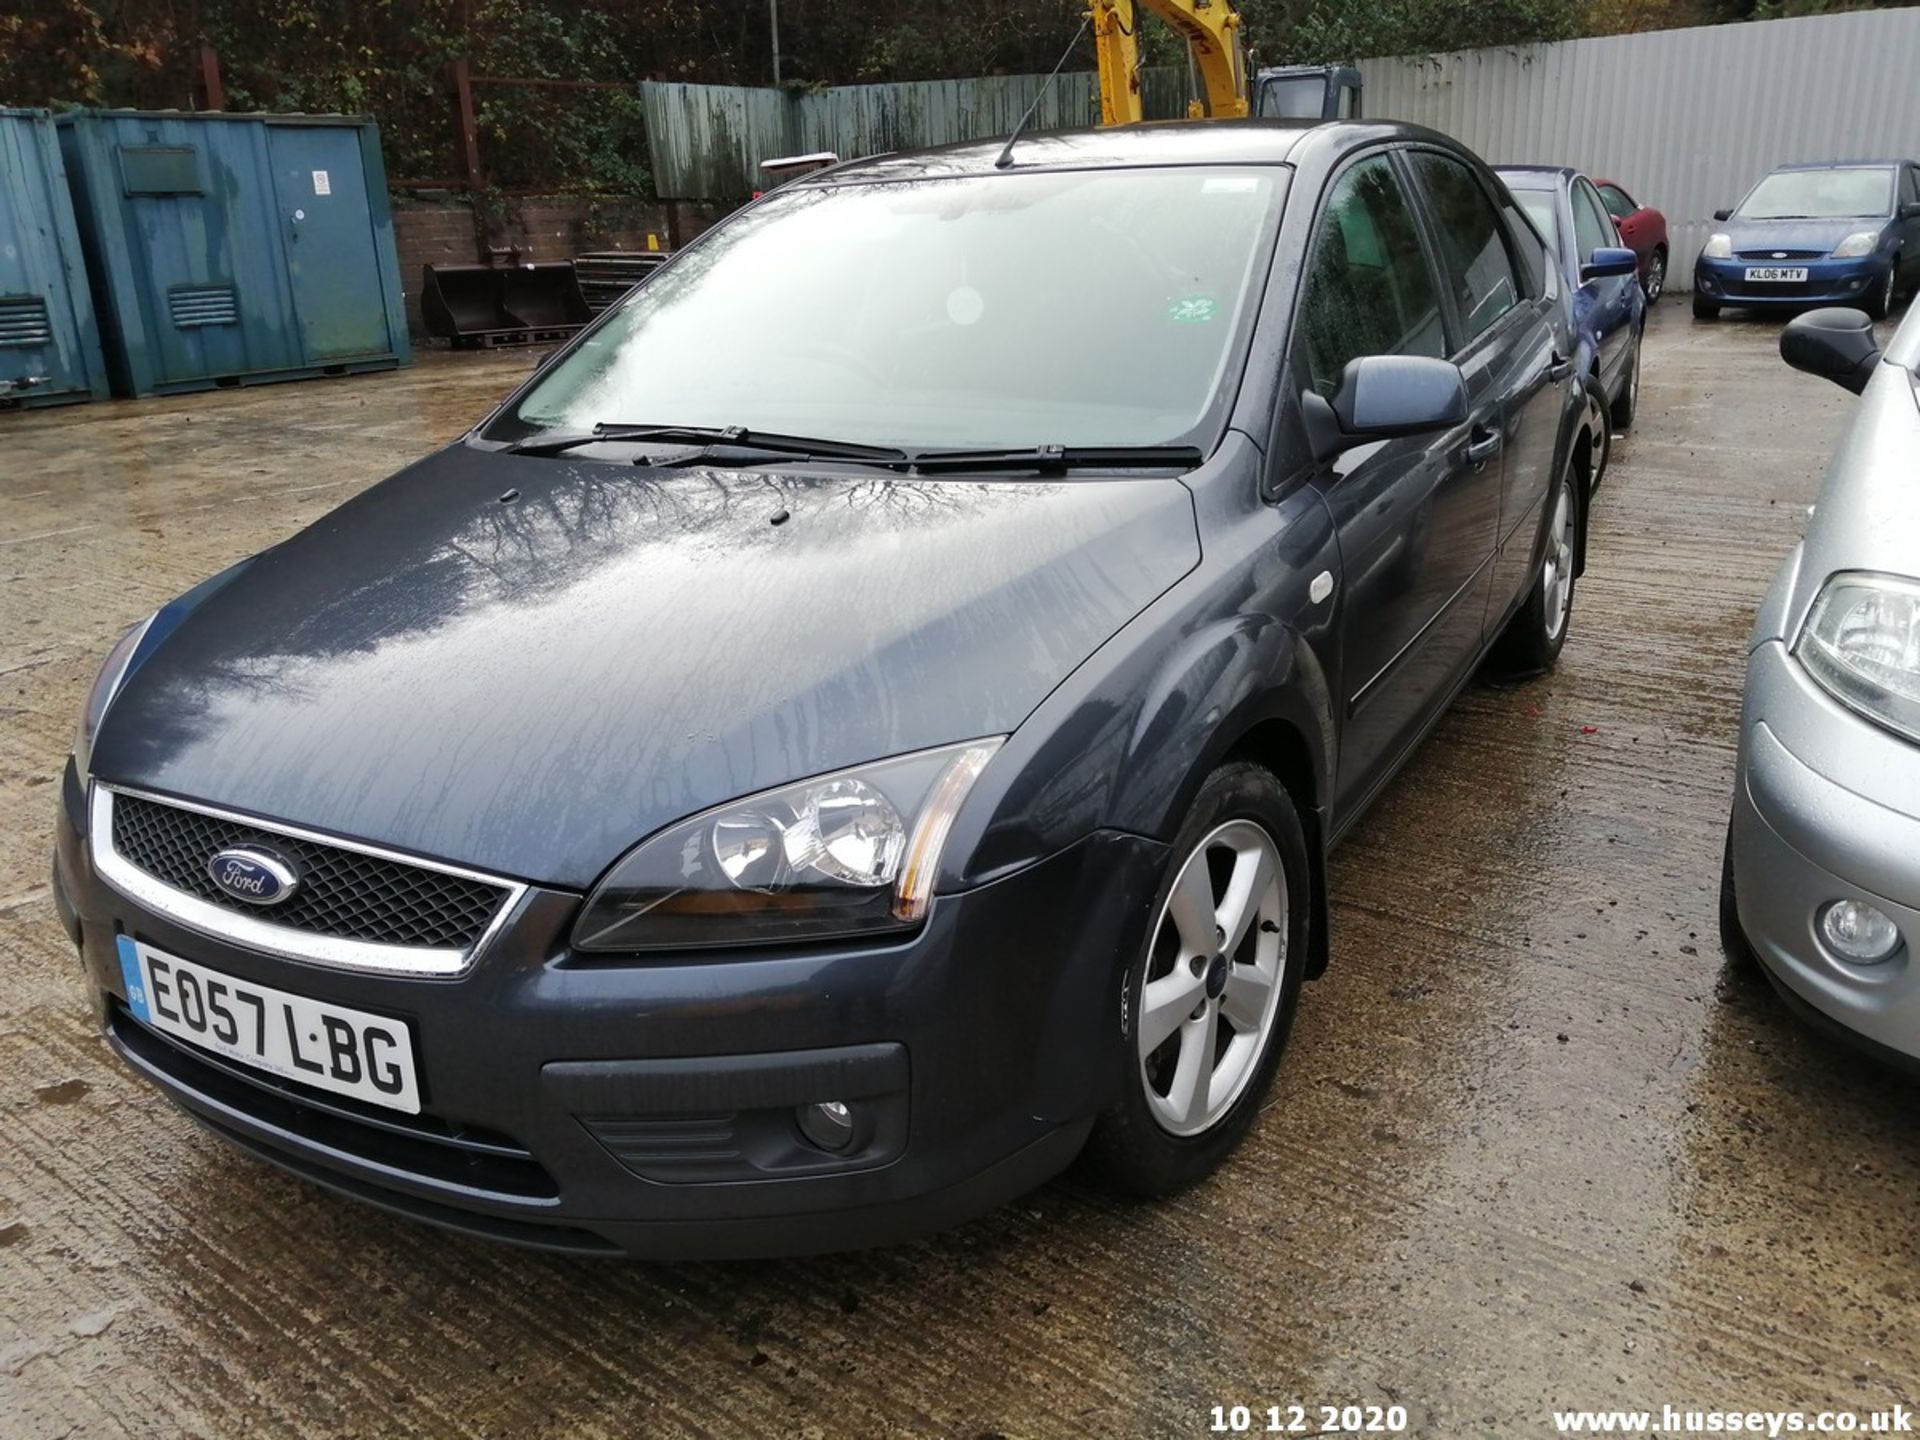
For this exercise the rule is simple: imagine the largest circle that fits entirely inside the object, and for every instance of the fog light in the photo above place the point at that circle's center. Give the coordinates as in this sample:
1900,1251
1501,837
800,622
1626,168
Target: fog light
1855,931
828,1124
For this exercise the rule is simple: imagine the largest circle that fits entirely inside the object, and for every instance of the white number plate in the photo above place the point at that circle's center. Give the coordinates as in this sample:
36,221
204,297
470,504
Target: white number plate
328,1046
1776,272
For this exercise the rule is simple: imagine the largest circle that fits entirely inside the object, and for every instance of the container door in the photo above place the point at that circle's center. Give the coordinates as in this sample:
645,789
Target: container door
332,263
47,346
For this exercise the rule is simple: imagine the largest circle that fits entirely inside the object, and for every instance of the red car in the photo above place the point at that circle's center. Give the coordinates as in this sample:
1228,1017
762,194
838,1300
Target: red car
1643,230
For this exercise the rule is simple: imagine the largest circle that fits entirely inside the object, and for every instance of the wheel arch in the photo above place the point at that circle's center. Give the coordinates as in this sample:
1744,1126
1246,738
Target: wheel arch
1268,698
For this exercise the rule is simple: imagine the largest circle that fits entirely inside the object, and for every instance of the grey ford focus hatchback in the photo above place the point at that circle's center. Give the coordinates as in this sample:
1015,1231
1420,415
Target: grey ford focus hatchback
866,722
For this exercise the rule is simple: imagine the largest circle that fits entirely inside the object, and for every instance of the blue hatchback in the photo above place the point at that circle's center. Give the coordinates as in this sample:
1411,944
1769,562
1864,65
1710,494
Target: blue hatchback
1609,305
1816,234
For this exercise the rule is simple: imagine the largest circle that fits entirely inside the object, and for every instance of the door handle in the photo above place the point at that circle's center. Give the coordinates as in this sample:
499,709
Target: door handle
1483,445
1560,368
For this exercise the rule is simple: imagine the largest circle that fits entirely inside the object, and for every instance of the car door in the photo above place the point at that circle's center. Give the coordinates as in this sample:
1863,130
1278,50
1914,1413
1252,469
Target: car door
1415,517
1514,346
1612,309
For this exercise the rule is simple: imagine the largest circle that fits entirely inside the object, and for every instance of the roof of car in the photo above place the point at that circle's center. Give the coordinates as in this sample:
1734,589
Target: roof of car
1840,165
1546,174
1179,142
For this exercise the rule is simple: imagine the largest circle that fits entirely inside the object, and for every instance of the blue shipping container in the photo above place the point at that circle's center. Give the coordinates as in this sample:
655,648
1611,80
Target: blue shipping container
49,347
233,249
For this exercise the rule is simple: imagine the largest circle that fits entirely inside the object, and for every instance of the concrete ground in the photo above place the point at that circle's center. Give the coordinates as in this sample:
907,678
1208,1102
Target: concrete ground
1535,1146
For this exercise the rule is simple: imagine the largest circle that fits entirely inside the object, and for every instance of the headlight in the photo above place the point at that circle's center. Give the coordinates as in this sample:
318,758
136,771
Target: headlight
1862,643
1718,247
105,684
1863,242
852,853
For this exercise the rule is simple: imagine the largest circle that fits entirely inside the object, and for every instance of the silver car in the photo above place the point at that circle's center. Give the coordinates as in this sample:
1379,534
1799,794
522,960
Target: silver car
1822,875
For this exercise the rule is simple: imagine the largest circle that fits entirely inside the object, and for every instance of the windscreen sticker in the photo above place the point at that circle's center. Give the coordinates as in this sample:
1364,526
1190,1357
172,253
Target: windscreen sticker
1193,309
965,305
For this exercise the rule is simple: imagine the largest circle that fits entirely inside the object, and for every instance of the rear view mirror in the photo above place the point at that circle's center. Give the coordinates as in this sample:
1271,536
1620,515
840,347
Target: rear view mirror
1723,214
1382,397
1910,210
1609,260
1835,343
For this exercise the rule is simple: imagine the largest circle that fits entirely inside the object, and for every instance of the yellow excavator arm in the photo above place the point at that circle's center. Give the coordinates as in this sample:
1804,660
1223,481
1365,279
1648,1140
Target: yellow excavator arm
1211,29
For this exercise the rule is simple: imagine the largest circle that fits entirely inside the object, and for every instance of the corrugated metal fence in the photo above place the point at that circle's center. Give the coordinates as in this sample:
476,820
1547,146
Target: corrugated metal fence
1686,120
707,141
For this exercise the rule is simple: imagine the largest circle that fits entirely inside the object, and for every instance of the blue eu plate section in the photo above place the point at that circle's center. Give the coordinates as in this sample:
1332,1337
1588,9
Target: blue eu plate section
136,986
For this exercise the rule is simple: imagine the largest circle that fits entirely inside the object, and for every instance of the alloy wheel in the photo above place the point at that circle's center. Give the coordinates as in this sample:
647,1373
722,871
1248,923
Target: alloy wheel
1213,978
1656,277
1556,574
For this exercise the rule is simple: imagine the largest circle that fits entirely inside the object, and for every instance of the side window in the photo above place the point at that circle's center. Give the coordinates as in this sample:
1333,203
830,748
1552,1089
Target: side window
1368,289
1473,248
1349,94
1910,191
1591,227
1619,204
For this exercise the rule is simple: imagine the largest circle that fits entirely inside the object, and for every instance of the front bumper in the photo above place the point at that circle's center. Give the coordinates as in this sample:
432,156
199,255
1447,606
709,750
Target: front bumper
1806,834
1828,282
647,1107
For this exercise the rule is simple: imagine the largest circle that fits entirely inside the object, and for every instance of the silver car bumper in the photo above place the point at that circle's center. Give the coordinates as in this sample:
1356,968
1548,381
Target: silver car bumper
1805,835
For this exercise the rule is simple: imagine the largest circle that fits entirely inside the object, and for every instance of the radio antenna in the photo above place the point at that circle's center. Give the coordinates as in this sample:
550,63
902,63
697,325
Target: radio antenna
1006,154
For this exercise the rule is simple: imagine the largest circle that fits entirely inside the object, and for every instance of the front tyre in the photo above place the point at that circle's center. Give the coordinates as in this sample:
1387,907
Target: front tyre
1881,300
1209,1002
1656,283
1620,413
1535,636
1705,309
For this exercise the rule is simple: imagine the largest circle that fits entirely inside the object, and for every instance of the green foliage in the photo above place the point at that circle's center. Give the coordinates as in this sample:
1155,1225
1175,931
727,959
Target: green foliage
1355,29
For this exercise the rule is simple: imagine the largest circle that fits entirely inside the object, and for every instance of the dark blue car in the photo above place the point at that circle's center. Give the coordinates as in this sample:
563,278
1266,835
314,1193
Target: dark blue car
1826,234
1602,275
868,719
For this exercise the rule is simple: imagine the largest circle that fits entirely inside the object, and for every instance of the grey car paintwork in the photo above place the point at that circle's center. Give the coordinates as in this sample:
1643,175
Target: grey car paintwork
1827,803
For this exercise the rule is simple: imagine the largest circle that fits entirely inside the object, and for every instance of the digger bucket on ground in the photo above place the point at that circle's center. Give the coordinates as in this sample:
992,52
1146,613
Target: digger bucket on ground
474,305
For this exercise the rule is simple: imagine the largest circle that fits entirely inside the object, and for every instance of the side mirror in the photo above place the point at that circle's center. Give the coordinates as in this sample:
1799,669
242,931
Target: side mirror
1384,397
1835,343
1723,214
1609,260
1910,210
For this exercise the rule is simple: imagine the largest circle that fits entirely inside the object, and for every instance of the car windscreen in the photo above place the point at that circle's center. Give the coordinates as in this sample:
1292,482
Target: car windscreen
1077,308
1543,209
1820,195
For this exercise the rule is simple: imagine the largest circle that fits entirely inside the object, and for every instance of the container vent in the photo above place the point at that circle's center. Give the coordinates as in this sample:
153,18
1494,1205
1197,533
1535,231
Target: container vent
195,306
23,321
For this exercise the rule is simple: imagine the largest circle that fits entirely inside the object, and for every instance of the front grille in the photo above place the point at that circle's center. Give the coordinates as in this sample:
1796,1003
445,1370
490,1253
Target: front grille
344,894
1762,256
421,1145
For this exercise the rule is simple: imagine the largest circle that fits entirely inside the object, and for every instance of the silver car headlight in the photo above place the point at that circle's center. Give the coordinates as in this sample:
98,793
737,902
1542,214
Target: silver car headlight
852,853
1718,247
105,686
1861,642
1861,242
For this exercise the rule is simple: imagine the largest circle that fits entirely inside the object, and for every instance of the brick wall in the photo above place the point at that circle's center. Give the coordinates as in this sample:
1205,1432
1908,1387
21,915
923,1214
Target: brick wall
442,232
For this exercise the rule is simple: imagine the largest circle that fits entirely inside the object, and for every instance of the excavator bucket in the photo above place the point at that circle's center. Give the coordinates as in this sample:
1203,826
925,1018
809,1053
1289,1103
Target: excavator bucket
479,305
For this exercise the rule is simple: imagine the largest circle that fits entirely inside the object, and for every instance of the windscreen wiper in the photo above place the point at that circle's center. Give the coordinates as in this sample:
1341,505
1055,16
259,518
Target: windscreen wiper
730,435
1061,457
